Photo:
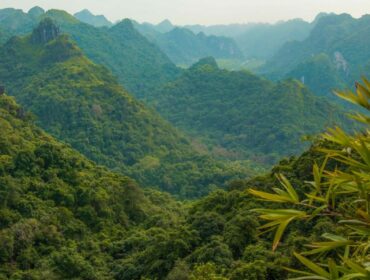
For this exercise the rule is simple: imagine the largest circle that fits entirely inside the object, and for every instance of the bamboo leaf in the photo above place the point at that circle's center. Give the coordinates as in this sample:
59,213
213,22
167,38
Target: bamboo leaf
312,266
269,196
289,188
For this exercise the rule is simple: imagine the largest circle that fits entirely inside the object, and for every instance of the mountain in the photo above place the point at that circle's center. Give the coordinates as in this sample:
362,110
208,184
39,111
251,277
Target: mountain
164,26
64,217
54,202
341,39
231,30
36,12
15,21
87,17
260,40
82,104
184,47
263,40
128,54
243,114
321,74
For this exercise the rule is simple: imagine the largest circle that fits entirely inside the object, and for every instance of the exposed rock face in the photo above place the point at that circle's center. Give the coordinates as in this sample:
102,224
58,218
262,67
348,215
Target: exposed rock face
340,62
45,32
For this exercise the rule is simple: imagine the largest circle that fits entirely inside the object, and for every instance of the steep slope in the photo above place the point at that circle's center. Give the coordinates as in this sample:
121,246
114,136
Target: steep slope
341,38
128,54
184,47
16,21
320,74
248,116
82,104
54,202
63,217
3,36
87,17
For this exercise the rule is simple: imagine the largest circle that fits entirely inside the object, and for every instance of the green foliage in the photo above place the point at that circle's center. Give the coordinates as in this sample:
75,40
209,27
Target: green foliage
45,189
83,104
128,54
63,217
241,116
341,194
320,74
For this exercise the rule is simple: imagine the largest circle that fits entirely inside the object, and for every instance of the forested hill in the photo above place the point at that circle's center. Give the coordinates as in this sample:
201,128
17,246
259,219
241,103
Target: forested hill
64,217
59,212
128,54
184,47
335,54
241,115
82,104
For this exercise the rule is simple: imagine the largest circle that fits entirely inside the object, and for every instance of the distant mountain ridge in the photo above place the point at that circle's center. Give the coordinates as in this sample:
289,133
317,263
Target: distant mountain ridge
82,104
184,47
96,20
128,54
259,40
335,54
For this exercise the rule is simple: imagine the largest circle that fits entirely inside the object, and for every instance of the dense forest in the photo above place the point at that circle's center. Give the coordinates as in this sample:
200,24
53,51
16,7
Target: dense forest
63,217
117,164
240,115
129,55
82,104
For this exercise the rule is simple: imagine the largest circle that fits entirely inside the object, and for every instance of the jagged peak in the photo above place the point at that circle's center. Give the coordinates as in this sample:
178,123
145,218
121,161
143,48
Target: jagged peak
61,16
165,26
127,28
127,23
166,22
85,11
45,32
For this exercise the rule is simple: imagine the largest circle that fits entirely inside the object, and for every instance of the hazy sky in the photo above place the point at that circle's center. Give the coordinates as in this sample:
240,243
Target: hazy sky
201,11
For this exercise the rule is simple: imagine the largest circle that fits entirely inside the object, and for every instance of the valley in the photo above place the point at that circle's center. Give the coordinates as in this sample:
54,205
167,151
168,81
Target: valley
139,151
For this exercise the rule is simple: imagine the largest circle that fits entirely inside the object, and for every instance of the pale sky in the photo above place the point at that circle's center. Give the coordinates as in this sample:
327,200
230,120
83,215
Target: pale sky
201,11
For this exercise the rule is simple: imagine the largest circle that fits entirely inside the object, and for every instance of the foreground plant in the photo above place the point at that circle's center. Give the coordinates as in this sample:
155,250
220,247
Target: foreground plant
342,194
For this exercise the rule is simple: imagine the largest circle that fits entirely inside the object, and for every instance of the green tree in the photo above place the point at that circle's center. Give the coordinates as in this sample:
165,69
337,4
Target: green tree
342,194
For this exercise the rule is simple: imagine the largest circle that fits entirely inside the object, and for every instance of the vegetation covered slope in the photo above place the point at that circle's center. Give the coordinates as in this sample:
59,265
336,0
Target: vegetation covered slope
341,39
184,47
58,210
138,64
16,21
83,104
63,217
248,116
